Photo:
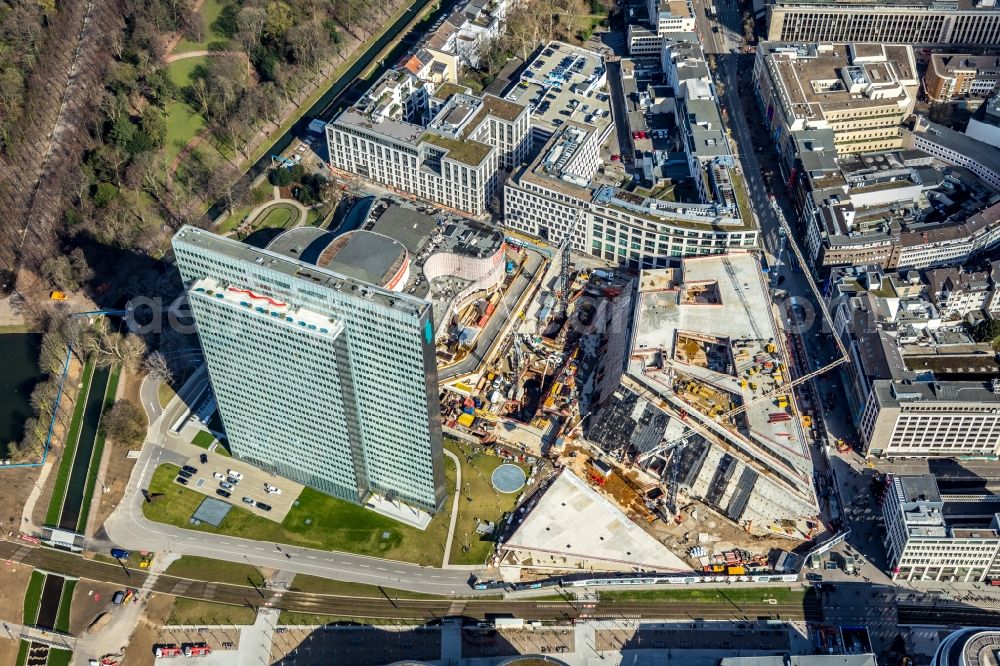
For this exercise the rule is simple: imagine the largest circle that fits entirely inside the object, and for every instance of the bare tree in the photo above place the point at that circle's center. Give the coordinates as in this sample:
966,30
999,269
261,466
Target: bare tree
157,367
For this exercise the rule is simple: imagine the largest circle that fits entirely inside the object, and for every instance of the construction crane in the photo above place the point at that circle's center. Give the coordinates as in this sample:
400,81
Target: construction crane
808,275
784,388
564,265
675,473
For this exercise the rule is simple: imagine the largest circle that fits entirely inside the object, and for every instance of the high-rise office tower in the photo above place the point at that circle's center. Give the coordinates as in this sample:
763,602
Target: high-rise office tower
321,372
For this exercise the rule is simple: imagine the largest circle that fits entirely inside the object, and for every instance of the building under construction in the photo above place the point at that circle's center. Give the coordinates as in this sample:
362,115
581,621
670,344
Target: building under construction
705,406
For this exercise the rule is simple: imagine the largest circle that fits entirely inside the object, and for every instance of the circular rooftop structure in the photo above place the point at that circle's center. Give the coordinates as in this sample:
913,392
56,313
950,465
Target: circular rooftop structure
508,478
362,255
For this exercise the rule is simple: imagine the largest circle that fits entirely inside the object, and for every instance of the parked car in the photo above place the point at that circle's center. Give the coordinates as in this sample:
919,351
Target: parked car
181,480
189,469
226,485
249,500
263,507
219,476
274,490
118,598
233,473
119,553
185,474
203,458
233,480
616,158
223,493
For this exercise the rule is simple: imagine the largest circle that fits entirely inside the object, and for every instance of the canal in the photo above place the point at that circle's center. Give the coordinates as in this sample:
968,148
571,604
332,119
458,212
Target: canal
85,447
20,374
348,88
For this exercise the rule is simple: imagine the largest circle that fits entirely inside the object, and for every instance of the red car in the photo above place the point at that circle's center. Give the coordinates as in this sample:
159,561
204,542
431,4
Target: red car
616,158
635,135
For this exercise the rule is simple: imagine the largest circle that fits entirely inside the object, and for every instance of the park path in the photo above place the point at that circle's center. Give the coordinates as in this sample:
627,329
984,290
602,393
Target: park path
177,36
174,57
454,507
253,214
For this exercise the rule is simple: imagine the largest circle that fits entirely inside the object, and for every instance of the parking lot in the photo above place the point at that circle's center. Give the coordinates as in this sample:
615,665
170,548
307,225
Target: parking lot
251,485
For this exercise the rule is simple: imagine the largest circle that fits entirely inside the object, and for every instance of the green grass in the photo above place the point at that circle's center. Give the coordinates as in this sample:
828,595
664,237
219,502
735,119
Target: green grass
164,394
98,452
65,604
32,597
277,216
223,449
334,524
211,38
317,585
742,202
58,657
69,450
737,596
22,653
216,571
183,124
196,611
181,72
486,504
203,439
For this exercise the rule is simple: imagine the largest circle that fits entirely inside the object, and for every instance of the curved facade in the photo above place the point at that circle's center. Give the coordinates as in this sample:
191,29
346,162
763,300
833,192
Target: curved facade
968,647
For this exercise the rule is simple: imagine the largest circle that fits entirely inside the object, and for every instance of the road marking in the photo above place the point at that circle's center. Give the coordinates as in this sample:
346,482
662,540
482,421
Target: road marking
364,566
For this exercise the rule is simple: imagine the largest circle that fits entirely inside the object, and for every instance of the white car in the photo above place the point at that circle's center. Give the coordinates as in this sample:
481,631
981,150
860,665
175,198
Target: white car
274,490
219,476
233,473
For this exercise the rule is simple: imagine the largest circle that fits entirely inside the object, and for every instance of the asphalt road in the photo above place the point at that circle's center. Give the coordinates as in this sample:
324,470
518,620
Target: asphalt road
388,607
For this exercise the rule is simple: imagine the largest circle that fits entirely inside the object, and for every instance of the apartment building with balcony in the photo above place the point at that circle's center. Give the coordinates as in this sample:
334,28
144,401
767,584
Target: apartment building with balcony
401,135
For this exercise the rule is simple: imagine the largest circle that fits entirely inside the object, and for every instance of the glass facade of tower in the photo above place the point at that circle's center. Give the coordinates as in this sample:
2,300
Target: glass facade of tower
326,380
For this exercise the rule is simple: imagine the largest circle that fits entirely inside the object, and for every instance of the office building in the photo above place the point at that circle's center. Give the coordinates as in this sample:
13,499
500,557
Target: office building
960,76
907,360
929,537
899,209
404,135
984,126
932,419
955,148
323,368
564,83
566,180
930,22
862,92
663,18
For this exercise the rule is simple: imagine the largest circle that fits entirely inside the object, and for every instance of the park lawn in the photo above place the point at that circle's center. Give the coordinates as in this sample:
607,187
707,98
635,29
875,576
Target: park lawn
69,448
65,603
333,524
277,216
98,452
196,611
203,439
183,124
318,585
211,38
216,571
729,596
59,657
486,503
32,597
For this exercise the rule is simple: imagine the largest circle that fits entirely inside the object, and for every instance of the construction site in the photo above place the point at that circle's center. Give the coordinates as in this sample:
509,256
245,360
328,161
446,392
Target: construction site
668,396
